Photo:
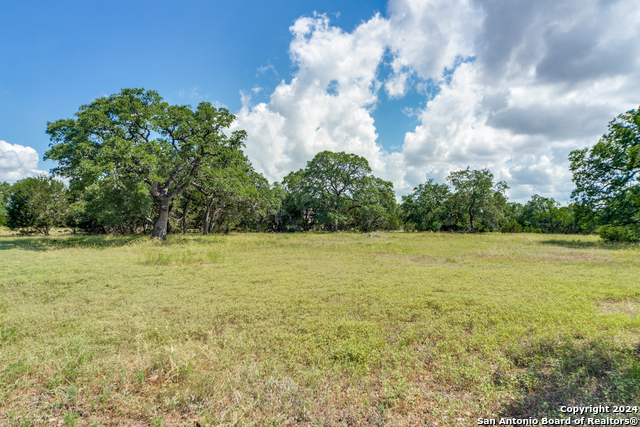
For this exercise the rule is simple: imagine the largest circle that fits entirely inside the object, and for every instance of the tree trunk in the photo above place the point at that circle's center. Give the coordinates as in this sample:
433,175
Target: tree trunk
473,226
160,226
207,217
215,216
185,211
169,228
205,226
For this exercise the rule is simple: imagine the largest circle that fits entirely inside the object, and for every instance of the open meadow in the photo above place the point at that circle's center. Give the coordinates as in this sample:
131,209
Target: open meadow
344,329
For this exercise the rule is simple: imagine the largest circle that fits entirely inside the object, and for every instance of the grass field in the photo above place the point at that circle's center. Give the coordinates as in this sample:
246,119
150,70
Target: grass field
314,329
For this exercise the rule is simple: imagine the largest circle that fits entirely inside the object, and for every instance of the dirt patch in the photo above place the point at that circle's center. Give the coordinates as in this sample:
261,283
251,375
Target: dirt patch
626,306
551,256
422,259
376,235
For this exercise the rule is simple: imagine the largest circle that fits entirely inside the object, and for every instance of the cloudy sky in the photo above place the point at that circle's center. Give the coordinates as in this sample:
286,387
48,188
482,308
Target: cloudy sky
418,87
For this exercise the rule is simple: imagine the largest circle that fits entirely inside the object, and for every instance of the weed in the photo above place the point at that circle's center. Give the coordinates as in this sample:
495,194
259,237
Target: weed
71,418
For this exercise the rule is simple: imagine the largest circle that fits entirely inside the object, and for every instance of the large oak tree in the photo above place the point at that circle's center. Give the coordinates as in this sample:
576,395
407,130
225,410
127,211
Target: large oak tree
337,191
607,175
476,194
134,134
427,207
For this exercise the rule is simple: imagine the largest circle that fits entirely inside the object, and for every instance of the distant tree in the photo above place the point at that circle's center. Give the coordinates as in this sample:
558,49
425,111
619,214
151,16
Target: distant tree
478,196
37,204
565,220
297,212
262,206
607,177
494,214
338,191
617,233
234,195
376,209
185,203
512,213
585,219
5,191
277,217
426,208
113,206
545,215
135,135
513,210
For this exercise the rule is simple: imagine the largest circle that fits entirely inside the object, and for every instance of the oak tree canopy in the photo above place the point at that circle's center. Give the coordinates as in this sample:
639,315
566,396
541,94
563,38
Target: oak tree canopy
136,135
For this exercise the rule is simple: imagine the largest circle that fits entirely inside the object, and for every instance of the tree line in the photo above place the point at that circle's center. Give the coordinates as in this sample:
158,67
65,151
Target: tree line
135,164
334,192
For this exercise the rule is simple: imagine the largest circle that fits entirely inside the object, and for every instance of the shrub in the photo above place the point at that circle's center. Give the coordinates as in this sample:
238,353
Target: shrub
617,233
37,204
511,227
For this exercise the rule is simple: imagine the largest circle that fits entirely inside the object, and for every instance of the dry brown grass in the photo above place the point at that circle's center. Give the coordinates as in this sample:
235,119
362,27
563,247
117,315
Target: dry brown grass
625,306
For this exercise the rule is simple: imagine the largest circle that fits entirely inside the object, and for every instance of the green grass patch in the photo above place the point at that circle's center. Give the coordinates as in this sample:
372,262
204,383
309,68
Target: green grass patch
314,329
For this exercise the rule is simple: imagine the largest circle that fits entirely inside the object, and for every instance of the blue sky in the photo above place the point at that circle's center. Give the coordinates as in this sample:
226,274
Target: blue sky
60,55
419,87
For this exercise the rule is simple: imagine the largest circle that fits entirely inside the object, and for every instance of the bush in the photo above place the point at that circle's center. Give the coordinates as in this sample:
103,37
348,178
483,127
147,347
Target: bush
616,233
114,206
37,204
530,229
511,227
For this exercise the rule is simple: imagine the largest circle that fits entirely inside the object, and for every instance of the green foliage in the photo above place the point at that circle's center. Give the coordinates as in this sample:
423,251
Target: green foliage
512,226
71,418
584,218
5,191
607,175
587,370
234,196
135,135
545,215
337,191
619,233
113,206
472,202
37,204
482,200
513,211
376,209
426,208
296,212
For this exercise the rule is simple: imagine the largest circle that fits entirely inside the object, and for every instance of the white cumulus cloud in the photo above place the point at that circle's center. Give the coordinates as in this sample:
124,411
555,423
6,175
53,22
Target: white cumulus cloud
518,86
17,162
